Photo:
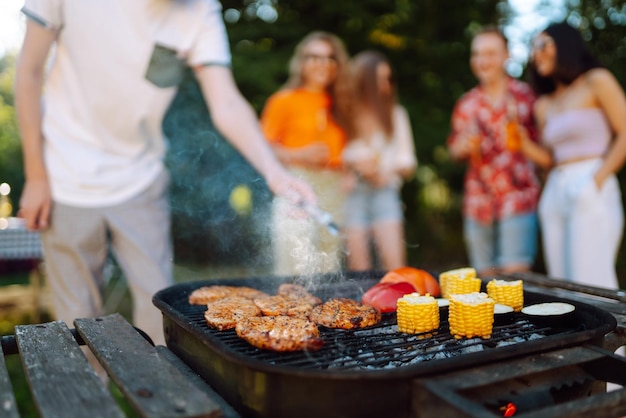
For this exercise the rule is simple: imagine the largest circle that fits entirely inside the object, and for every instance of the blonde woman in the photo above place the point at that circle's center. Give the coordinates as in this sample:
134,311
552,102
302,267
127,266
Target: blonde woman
379,156
305,122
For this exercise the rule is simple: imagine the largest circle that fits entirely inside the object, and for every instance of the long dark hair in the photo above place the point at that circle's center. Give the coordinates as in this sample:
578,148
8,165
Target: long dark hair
573,58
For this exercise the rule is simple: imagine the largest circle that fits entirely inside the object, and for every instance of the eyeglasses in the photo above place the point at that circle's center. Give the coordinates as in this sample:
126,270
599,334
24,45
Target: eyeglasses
320,59
540,44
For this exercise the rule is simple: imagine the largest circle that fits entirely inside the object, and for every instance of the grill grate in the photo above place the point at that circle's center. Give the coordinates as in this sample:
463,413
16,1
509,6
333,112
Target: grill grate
377,347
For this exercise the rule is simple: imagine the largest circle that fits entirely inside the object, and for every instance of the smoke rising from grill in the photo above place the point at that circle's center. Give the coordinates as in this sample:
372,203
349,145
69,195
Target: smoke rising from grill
205,169
300,241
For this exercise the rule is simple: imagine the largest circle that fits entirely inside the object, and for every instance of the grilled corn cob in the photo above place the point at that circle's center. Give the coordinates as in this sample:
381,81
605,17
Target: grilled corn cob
417,313
471,315
505,292
458,281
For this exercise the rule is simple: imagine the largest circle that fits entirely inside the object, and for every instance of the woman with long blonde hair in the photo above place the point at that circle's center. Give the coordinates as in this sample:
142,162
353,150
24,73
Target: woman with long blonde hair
306,123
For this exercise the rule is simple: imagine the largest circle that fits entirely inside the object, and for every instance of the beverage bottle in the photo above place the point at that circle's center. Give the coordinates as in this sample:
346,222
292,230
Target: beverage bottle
512,136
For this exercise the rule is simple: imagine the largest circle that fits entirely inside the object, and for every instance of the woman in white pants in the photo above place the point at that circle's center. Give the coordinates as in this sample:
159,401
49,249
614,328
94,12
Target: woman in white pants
581,225
580,112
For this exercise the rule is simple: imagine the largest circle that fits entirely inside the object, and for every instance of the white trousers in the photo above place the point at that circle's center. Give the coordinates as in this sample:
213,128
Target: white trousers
76,248
581,226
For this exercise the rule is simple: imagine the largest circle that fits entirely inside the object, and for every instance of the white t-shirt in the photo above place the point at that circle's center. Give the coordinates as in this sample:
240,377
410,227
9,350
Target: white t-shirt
102,117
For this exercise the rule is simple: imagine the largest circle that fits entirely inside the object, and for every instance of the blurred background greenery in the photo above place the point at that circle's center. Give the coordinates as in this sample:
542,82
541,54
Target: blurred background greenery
427,42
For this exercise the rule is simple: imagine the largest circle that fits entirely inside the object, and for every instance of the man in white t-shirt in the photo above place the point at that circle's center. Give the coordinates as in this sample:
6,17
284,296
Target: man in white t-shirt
93,145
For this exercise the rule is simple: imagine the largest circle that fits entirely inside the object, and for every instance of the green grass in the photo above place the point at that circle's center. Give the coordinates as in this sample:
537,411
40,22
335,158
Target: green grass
25,404
13,277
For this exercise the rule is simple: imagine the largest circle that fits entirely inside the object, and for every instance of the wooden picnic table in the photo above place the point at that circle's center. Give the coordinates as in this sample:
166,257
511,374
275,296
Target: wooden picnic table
65,385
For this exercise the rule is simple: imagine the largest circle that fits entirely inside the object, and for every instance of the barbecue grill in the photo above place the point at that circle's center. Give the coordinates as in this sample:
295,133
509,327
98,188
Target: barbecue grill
358,373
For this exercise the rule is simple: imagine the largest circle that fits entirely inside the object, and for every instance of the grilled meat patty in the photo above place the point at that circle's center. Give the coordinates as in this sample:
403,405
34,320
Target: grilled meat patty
280,333
284,305
344,313
206,294
298,292
226,312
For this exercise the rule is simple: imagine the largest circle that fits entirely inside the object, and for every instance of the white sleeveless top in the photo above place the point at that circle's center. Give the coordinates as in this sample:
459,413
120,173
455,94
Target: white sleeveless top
577,133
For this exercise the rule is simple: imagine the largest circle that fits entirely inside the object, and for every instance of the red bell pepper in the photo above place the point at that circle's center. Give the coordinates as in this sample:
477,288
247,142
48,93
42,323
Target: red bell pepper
384,296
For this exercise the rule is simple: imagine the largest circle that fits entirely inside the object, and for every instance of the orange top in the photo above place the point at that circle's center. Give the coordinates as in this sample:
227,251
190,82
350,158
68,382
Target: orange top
298,117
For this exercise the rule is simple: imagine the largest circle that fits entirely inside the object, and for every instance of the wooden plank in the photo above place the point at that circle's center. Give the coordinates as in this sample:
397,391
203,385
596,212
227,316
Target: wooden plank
62,381
193,377
8,405
152,385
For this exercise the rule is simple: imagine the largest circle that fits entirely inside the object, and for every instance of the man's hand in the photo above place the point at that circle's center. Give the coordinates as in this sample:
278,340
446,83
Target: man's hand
284,184
35,204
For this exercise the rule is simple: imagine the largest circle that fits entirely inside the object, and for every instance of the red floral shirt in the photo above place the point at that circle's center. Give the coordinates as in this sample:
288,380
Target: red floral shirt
499,183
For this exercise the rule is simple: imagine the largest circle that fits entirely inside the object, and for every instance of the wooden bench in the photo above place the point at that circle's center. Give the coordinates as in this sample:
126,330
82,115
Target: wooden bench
65,385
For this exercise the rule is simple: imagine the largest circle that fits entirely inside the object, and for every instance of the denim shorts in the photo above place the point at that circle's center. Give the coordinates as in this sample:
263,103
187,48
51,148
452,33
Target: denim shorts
506,242
367,205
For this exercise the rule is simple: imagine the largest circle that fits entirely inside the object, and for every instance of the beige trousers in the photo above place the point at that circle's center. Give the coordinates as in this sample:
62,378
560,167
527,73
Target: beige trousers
137,232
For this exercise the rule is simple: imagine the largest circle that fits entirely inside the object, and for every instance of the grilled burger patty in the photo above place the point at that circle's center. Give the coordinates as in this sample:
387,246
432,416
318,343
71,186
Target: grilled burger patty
284,305
280,333
344,313
207,294
226,312
298,292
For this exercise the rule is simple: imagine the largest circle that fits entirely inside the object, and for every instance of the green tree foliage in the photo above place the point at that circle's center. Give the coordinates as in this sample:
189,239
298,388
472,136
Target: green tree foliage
428,45
10,149
603,25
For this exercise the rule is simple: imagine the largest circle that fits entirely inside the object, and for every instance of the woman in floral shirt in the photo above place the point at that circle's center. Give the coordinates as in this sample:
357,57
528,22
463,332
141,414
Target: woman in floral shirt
501,189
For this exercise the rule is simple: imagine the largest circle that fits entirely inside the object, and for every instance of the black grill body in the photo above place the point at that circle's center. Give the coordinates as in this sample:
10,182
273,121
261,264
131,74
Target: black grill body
358,373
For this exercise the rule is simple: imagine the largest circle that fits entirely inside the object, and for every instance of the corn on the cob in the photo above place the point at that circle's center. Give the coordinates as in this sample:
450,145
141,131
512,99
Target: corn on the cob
505,292
471,315
417,313
459,281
